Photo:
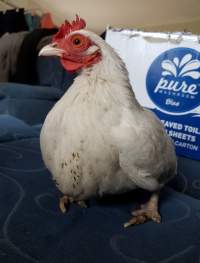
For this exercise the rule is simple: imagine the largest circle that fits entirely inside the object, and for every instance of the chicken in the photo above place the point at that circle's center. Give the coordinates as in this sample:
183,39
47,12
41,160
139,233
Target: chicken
98,139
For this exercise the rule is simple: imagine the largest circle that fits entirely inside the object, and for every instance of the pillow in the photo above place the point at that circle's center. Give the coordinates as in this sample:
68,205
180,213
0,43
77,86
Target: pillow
12,128
27,102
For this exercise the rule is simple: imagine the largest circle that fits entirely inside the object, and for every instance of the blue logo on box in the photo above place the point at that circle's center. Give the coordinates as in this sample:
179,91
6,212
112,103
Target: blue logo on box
173,80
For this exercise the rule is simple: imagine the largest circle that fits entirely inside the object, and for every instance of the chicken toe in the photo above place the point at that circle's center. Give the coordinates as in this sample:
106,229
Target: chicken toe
148,211
63,203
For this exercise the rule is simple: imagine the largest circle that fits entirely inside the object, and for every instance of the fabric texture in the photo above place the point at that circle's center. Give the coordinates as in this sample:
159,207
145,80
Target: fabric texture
12,128
32,229
28,54
12,21
27,102
51,73
188,179
33,21
10,45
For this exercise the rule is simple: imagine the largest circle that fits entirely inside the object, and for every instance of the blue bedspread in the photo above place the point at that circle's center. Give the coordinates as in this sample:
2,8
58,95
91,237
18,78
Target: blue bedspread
26,102
32,229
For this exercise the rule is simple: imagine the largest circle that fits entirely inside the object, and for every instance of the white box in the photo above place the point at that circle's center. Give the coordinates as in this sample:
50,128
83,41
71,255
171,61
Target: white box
164,71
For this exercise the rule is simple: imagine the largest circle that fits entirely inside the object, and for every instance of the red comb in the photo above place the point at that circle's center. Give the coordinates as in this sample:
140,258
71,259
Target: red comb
67,28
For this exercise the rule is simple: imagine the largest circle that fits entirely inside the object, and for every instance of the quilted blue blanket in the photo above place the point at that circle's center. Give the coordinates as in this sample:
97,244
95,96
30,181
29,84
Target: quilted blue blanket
32,229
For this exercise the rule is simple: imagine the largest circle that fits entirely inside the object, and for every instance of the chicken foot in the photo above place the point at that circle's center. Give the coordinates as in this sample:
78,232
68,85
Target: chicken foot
148,211
65,201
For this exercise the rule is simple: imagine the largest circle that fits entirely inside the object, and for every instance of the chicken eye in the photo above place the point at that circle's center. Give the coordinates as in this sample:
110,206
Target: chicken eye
79,43
76,41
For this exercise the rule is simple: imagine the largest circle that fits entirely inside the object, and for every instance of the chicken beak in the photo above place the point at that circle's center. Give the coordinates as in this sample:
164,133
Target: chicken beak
51,50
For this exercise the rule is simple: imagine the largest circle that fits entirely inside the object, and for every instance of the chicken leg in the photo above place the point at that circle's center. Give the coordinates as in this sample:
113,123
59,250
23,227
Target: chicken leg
65,201
148,211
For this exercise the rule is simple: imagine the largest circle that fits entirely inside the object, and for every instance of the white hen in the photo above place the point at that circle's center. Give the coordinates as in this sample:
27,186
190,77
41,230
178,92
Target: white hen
97,139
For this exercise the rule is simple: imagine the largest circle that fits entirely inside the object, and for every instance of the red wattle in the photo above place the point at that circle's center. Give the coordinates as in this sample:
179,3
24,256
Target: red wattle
76,62
71,65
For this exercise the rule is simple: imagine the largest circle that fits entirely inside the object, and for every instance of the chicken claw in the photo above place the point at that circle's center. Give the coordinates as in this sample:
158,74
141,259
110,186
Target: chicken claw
148,211
63,202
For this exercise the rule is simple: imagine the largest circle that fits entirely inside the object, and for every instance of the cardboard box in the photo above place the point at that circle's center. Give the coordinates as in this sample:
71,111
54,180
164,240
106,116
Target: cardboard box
164,71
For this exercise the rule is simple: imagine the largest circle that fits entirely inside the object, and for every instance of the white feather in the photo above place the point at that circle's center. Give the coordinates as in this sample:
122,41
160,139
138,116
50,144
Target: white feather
97,138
